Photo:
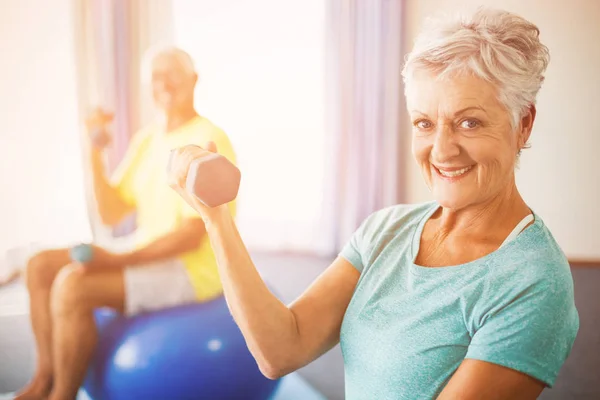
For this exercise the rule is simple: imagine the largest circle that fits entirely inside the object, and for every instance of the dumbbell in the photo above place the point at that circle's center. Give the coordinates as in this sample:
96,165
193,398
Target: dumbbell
212,179
82,253
99,138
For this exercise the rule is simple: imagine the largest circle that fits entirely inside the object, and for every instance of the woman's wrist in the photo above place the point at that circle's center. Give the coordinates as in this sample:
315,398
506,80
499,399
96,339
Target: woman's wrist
217,217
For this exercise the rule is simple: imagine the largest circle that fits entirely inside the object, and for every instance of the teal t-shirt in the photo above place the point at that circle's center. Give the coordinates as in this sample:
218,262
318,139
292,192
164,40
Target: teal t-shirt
408,328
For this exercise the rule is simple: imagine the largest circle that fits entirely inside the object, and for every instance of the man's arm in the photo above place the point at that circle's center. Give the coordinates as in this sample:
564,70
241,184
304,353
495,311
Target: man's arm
179,241
111,206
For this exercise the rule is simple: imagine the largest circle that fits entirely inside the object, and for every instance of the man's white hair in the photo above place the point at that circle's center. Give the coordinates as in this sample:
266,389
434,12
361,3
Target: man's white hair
498,46
166,50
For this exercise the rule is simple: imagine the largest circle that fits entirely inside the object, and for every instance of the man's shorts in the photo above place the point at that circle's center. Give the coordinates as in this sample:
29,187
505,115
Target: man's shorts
156,286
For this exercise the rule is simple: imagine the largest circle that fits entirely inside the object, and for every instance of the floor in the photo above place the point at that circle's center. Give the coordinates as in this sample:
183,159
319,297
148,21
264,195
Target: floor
289,275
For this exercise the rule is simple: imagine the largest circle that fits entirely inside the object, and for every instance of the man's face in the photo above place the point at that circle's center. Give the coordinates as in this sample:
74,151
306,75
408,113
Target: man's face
172,84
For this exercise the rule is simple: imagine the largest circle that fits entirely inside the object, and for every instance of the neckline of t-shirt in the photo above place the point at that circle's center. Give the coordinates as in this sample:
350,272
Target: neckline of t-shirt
182,128
480,262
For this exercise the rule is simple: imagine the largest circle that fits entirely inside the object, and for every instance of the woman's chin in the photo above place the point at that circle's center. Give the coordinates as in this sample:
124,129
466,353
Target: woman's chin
452,201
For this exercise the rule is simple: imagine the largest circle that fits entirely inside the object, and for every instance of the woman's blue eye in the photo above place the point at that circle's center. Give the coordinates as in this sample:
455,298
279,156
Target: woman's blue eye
469,124
423,124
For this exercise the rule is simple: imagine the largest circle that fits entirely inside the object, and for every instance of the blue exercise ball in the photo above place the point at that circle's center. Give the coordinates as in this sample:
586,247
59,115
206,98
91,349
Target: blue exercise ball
187,352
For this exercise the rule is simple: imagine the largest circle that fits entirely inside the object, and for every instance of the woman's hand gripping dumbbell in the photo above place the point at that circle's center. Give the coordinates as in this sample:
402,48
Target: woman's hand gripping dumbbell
204,178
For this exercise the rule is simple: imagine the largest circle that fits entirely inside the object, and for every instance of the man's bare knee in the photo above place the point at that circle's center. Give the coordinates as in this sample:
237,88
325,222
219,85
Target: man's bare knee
69,290
42,268
38,272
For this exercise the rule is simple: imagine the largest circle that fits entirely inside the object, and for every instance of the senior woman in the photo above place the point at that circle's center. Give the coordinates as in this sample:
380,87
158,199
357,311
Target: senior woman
465,297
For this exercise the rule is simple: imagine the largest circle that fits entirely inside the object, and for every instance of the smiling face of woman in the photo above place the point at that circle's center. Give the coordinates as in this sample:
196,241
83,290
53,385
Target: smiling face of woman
463,139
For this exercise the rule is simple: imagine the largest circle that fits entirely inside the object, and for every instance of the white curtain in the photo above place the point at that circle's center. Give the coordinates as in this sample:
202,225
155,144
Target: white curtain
41,198
365,101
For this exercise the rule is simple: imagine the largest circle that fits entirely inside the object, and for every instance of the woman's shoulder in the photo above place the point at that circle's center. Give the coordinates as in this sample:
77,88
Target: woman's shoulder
376,232
394,220
534,258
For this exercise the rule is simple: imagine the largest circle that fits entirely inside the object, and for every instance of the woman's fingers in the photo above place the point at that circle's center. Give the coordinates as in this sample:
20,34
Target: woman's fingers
179,164
210,146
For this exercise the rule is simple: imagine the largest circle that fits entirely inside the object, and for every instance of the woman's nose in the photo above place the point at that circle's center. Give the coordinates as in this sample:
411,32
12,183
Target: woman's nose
445,145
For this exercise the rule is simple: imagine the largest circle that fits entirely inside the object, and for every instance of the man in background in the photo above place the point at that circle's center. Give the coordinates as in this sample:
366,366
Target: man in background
172,263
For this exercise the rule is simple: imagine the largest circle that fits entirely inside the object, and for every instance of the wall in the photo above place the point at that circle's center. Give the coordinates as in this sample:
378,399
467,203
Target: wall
560,175
41,180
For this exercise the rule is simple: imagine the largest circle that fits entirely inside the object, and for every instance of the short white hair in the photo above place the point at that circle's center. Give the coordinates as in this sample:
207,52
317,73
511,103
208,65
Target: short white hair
166,50
495,45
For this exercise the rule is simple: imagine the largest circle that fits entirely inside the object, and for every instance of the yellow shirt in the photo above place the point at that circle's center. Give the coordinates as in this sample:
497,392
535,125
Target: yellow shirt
141,180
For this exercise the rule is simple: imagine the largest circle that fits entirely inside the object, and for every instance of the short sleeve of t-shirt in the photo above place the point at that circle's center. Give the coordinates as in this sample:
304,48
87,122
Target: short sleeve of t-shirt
531,330
356,250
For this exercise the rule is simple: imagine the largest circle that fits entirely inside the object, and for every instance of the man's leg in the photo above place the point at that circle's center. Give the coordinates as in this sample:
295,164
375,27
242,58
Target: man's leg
75,294
39,276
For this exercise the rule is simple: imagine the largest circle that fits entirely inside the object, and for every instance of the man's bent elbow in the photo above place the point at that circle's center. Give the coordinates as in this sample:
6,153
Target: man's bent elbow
195,230
110,216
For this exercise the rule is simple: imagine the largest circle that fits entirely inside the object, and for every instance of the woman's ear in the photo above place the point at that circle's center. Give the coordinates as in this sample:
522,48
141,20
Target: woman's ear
526,126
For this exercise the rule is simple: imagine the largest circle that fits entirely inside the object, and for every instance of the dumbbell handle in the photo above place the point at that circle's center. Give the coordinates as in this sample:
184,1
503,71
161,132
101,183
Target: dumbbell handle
212,179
